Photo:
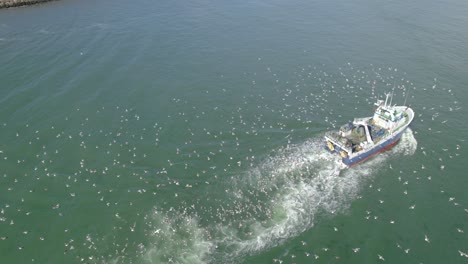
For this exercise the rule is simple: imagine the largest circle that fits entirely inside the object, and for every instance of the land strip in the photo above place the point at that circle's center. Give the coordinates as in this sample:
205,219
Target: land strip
15,3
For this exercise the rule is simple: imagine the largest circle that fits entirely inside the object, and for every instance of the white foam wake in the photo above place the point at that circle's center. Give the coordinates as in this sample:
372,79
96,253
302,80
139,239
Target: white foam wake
177,238
281,197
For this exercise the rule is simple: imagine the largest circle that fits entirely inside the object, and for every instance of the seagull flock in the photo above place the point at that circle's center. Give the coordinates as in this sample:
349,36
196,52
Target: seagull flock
115,184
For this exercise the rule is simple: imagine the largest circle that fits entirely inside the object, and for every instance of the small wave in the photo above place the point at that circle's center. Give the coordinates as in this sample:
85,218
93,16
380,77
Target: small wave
100,26
407,145
44,31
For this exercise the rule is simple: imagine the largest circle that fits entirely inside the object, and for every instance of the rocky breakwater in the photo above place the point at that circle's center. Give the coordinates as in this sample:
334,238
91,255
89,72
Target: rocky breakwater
14,3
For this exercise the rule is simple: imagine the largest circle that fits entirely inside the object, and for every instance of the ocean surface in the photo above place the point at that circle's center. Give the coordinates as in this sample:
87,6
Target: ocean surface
192,132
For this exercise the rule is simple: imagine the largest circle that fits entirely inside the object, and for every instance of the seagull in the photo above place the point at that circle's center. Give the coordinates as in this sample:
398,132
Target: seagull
356,250
426,239
381,258
463,254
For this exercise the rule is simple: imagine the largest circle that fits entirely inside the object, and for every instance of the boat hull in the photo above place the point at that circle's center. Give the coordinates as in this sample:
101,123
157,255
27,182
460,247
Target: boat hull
386,144
356,145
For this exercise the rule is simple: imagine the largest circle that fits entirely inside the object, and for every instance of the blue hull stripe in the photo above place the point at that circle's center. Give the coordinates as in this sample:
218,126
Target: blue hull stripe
380,147
367,154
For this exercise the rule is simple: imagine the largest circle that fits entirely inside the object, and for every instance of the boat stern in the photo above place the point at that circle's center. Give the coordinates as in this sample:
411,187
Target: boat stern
333,147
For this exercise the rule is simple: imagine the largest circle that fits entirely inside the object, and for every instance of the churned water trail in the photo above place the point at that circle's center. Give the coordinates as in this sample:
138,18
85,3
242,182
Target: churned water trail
273,202
191,132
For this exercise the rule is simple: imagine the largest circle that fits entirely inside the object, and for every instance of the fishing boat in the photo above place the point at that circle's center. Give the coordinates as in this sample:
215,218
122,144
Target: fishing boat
364,137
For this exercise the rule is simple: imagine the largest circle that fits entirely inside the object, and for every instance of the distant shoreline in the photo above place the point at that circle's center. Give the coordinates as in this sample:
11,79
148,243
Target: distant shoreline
16,3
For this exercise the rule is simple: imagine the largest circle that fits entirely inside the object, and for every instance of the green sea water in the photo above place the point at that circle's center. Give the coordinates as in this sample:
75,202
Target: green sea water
191,132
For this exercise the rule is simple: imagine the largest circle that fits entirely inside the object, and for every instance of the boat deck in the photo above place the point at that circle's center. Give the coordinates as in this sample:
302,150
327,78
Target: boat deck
363,137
